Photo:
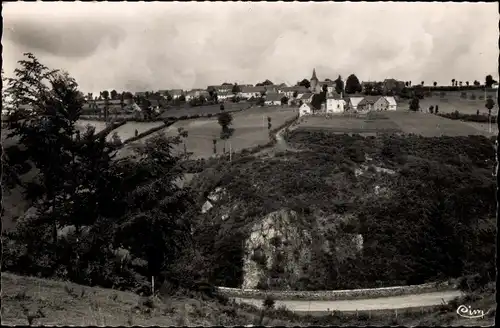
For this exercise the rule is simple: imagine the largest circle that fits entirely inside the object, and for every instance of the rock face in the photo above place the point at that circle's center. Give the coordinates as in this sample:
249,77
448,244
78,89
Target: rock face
276,252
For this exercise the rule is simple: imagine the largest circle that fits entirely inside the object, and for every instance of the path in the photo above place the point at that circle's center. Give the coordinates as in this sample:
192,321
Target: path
381,303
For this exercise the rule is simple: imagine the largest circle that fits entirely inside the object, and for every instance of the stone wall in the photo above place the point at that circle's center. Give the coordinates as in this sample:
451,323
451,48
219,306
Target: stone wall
334,295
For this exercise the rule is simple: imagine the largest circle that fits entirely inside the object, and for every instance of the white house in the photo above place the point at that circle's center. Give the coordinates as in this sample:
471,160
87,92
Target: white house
334,103
381,104
393,105
304,110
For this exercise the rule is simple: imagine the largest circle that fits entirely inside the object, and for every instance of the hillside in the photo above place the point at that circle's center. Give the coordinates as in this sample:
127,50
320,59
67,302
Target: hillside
338,203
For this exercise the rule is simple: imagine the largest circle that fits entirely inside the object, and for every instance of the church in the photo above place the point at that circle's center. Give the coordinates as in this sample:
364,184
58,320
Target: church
334,102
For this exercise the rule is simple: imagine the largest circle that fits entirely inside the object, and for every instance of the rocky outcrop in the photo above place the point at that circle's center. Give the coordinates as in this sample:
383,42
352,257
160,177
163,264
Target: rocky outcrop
276,251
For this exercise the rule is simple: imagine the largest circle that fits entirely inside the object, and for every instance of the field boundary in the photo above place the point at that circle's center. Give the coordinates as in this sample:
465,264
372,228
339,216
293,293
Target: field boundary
338,295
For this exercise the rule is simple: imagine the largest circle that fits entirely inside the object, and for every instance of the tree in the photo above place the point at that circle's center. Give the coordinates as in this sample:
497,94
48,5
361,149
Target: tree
236,89
284,100
436,109
266,82
295,94
467,83
304,83
431,109
221,107
269,125
339,85
453,82
156,226
114,94
46,131
414,104
460,83
435,83
489,81
477,83
490,103
352,84
225,120
182,98
422,83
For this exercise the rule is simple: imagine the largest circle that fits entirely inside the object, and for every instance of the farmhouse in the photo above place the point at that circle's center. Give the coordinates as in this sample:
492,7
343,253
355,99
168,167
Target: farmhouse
382,103
353,102
368,103
304,109
273,99
334,103
306,98
393,105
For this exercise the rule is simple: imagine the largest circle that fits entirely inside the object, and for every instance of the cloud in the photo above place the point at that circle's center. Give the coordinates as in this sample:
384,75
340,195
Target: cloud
139,46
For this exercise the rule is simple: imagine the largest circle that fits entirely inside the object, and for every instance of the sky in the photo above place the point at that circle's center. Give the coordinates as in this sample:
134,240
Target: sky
156,46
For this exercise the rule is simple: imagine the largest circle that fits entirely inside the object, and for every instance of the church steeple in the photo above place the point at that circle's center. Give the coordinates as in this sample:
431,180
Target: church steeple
314,75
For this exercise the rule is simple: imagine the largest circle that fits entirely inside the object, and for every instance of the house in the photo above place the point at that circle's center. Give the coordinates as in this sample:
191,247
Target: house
175,93
304,109
393,105
290,91
195,93
306,98
330,86
334,103
353,101
368,103
273,99
271,88
381,104
256,92
224,95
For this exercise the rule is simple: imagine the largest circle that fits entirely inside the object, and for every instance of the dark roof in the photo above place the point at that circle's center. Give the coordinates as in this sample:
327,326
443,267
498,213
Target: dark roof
369,100
273,97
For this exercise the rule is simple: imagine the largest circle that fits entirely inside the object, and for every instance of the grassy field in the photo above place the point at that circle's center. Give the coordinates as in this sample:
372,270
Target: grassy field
349,124
423,124
125,131
450,104
204,110
250,130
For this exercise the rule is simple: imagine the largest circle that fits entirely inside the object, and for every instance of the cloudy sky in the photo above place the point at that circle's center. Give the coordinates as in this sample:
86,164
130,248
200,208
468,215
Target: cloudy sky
151,46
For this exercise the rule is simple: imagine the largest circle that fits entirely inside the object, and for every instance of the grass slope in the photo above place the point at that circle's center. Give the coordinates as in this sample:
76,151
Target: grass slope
35,301
62,303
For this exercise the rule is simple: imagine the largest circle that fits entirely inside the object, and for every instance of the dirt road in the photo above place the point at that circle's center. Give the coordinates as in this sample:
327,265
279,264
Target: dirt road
382,303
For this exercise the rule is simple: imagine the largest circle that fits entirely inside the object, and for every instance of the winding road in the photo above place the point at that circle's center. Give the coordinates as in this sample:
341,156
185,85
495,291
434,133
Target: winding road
381,303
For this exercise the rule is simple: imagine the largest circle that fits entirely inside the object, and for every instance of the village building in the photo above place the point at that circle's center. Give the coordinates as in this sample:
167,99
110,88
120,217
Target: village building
249,92
273,99
304,109
335,103
306,98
